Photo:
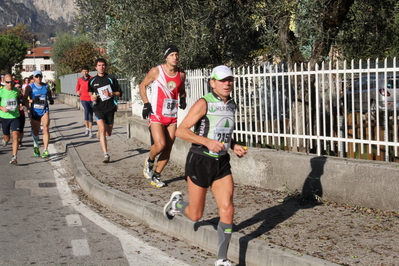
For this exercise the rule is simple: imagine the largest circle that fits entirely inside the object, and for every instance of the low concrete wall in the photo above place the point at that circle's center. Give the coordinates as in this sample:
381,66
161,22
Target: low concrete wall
120,117
71,100
369,184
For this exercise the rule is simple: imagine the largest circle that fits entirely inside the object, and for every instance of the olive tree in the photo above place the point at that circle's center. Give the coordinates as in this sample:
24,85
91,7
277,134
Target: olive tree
207,32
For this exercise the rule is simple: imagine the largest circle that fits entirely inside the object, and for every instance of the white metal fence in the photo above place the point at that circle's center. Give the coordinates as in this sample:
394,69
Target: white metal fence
346,109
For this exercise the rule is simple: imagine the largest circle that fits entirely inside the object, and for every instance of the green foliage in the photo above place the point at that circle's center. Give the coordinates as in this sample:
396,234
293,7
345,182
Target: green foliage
12,51
371,30
71,52
395,32
22,31
206,32
302,30
58,85
76,57
235,32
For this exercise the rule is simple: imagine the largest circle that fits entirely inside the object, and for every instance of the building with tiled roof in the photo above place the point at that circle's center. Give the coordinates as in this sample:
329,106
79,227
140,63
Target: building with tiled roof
38,58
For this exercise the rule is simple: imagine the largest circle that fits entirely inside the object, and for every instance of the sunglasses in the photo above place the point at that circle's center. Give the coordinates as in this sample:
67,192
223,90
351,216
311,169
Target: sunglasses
38,76
8,82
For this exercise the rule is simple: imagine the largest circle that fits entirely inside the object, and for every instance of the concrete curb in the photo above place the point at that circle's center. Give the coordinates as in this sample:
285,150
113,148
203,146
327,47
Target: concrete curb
243,249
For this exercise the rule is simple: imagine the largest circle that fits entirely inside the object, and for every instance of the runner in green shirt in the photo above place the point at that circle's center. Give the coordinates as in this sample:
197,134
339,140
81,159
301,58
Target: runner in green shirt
9,112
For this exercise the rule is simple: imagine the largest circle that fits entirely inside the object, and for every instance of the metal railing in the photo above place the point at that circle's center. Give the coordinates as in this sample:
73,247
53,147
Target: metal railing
68,86
346,109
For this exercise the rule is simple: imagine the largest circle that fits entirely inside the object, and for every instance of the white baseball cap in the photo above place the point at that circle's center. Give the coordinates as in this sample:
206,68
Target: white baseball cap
221,72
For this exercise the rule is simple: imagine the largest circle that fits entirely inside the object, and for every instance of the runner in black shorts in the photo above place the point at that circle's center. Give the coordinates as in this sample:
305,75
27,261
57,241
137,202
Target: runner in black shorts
103,89
204,170
107,117
9,112
208,163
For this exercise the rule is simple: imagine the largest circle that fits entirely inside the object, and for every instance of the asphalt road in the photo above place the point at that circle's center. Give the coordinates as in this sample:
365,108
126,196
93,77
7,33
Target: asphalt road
43,222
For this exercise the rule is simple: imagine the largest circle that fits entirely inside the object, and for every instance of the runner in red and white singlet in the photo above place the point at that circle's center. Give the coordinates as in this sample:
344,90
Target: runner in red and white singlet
167,94
164,97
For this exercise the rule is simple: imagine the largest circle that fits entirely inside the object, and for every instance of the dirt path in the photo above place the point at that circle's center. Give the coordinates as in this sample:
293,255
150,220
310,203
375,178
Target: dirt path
343,234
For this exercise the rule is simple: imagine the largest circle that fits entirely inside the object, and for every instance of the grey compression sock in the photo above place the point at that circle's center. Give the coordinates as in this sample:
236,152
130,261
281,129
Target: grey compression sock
224,236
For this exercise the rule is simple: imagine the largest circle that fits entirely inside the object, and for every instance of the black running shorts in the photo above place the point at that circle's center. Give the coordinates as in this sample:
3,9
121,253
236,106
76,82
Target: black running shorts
203,169
11,124
107,117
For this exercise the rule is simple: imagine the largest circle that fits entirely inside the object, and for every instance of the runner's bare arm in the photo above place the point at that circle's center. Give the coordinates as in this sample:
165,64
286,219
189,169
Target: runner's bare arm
150,77
197,111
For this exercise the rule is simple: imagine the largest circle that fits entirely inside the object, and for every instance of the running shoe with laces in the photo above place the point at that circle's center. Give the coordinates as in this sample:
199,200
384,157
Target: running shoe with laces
4,143
36,151
45,154
223,262
106,158
156,180
147,171
87,132
13,160
169,210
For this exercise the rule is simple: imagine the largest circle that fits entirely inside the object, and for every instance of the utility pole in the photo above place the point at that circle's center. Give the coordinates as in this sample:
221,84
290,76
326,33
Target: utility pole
34,56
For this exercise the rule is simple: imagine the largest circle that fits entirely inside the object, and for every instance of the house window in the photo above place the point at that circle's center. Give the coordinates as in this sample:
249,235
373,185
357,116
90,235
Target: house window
45,67
29,68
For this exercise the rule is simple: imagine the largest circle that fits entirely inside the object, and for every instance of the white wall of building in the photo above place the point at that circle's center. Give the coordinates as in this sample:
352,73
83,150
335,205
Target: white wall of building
44,65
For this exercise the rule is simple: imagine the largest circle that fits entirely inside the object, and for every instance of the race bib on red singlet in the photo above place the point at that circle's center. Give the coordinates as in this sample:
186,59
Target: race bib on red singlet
169,108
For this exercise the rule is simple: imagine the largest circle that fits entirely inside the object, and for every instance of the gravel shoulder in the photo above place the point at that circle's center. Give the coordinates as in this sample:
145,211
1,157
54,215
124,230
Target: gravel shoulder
336,232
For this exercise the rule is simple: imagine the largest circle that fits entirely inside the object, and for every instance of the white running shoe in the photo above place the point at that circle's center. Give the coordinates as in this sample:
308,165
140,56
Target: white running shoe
170,210
156,181
147,171
106,158
223,262
4,143
87,132
13,160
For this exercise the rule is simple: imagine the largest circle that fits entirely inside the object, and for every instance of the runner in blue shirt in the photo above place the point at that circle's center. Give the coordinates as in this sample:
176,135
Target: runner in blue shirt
38,94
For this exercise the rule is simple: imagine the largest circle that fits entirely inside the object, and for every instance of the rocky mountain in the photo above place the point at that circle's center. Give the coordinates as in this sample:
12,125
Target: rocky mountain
44,17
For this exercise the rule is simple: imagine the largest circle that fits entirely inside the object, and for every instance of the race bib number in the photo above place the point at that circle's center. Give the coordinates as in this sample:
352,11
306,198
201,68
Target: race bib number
101,91
40,102
169,108
222,134
11,104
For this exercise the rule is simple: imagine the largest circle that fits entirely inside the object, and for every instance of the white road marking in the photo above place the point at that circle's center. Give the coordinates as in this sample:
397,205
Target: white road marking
73,220
137,252
80,247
